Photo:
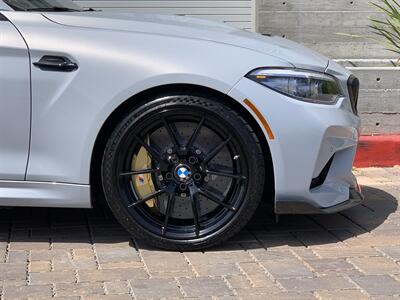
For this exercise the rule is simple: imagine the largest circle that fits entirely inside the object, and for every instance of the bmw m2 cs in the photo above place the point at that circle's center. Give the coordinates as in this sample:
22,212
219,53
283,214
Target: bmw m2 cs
183,125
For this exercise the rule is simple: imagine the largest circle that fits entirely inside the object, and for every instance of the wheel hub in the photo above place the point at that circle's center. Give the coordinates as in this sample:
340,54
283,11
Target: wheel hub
183,172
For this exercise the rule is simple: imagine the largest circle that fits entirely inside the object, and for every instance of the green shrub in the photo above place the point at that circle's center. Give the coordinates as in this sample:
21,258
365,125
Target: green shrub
388,29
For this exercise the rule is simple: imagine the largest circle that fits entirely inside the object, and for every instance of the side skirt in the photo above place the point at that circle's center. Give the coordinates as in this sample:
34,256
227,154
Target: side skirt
44,194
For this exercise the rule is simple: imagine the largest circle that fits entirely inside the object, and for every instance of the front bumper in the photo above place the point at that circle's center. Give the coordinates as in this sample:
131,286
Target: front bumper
296,207
308,137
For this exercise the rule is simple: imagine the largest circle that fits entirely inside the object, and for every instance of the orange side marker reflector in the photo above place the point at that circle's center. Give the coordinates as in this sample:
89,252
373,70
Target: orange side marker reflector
260,117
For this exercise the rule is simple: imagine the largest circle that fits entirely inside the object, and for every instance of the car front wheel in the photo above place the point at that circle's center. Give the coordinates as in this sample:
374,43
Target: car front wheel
183,172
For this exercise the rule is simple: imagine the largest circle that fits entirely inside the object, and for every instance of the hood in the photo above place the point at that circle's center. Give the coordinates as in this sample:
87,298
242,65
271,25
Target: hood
193,28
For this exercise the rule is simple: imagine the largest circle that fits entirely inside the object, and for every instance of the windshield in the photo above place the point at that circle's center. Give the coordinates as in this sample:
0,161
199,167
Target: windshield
43,5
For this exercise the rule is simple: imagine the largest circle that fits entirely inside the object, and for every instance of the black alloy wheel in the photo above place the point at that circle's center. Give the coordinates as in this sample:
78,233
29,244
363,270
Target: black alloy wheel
183,172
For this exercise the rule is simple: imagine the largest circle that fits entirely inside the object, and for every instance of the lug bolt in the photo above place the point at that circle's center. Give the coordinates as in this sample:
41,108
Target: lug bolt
160,177
183,195
192,160
169,151
206,179
197,177
169,176
182,186
174,159
198,151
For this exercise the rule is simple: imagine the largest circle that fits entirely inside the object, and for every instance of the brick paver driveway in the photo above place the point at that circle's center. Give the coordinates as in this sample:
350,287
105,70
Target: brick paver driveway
75,254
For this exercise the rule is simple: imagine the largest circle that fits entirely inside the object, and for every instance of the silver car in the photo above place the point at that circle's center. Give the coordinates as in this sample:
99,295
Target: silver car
183,125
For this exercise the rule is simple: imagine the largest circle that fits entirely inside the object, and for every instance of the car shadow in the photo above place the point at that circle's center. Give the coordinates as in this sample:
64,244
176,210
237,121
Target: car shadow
43,228
265,231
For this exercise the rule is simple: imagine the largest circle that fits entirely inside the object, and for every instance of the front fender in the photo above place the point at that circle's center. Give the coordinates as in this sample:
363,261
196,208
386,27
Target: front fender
69,109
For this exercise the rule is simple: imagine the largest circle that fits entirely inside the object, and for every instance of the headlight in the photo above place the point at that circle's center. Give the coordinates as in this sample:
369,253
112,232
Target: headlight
302,85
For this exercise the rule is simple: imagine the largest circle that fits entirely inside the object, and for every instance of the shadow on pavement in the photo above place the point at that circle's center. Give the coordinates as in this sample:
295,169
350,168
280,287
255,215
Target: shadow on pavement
79,228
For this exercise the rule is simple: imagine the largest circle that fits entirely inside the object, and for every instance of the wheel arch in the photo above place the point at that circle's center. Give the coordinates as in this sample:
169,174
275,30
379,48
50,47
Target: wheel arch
140,99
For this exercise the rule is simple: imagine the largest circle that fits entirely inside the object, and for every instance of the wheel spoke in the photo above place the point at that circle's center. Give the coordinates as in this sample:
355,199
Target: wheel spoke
216,198
153,152
147,198
225,174
195,208
216,150
170,208
171,132
139,172
195,134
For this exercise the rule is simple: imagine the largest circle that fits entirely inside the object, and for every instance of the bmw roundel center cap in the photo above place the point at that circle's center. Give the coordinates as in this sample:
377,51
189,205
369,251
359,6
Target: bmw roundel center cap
183,172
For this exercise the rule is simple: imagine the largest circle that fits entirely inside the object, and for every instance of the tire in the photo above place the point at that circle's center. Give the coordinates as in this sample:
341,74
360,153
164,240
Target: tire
183,172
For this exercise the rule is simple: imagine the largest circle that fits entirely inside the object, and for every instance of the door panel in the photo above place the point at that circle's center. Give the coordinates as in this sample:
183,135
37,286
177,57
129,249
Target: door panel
14,103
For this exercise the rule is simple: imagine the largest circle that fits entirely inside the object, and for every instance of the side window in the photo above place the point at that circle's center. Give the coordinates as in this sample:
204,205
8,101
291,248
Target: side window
2,17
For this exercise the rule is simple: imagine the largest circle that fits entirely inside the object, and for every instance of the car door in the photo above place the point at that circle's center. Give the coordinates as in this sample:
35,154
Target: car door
15,102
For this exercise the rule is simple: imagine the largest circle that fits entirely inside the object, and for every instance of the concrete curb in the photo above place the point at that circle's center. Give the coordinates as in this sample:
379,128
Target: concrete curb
378,151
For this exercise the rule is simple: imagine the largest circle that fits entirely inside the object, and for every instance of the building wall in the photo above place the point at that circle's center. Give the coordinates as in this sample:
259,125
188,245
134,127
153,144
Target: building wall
238,13
317,24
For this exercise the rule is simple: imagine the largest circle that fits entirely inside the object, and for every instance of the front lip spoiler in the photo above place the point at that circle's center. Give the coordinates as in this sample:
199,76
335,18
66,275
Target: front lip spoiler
296,207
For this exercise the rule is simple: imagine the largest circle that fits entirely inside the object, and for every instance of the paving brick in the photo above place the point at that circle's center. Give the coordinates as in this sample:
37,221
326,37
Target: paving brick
317,238
239,282
107,297
24,292
378,285
283,268
376,265
217,269
2,255
329,283
117,255
83,253
168,262
52,277
55,255
19,256
257,275
343,295
222,257
331,266
116,287
280,242
265,261
63,266
225,298
40,266
111,274
272,254
347,251
13,271
391,251
335,222
204,286
155,289
79,289
30,245
254,293
122,265
73,244
304,253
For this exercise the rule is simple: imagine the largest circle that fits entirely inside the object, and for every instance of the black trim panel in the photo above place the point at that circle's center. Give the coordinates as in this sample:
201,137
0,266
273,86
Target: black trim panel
353,85
318,181
3,17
